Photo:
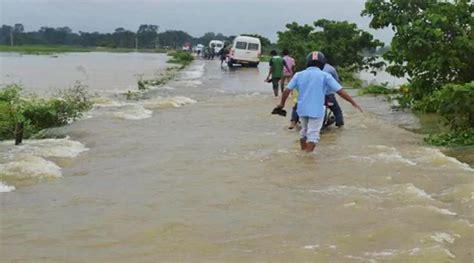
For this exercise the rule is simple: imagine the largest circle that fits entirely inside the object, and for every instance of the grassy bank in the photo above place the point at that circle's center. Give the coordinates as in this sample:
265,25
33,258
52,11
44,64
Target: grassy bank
45,50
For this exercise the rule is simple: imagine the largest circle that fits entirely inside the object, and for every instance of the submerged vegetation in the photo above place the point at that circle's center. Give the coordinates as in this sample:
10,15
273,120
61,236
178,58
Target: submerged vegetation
37,113
182,58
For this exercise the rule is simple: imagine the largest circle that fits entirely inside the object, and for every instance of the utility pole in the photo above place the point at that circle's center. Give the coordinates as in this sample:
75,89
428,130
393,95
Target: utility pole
157,38
11,36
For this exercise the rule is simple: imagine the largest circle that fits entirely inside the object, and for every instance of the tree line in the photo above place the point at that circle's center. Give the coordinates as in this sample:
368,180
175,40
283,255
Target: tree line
146,37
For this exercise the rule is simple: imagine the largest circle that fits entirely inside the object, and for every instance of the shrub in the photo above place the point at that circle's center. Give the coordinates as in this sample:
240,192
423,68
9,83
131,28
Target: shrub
349,78
455,138
455,103
40,113
377,89
181,57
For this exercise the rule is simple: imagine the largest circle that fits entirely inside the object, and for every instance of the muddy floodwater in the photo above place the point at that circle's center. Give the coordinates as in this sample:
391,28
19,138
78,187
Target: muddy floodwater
200,171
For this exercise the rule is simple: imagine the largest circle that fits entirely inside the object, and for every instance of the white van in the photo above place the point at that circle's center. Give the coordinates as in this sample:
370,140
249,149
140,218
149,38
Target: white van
217,45
245,51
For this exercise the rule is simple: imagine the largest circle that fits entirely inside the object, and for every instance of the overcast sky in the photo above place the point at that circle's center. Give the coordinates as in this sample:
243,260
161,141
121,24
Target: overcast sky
196,17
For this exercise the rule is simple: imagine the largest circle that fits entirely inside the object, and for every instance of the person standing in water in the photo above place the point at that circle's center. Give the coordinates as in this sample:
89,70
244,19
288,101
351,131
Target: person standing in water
330,100
331,97
289,70
312,85
276,71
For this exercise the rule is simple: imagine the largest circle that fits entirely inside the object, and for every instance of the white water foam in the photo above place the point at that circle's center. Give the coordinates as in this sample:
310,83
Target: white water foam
167,102
311,247
441,237
435,158
438,210
193,72
385,154
65,148
404,191
30,166
132,112
6,188
29,159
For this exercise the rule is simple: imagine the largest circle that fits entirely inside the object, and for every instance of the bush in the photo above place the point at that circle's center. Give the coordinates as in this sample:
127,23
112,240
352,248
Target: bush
455,104
377,89
349,78
181,57
456,138
40,113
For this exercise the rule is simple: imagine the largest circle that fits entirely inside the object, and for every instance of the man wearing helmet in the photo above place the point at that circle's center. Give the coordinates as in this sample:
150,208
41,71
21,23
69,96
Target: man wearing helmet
312,85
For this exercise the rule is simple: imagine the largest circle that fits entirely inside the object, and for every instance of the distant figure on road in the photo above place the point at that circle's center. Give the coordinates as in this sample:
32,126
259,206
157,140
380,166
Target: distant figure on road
289,70
223,54
276,71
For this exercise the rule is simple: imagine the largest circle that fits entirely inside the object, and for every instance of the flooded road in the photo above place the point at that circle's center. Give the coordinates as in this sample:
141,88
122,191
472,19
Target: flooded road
201,171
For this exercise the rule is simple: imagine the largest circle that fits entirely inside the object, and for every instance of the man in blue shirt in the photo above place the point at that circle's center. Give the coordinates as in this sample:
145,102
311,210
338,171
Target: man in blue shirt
312,85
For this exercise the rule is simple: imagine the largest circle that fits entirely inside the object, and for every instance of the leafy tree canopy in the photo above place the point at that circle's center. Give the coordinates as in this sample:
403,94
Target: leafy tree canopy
433,42
342,43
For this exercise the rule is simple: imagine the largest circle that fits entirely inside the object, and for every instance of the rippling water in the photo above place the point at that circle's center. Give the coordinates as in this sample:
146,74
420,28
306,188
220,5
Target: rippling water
201,171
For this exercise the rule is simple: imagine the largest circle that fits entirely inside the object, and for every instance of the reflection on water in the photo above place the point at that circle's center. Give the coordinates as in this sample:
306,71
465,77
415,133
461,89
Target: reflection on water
221,179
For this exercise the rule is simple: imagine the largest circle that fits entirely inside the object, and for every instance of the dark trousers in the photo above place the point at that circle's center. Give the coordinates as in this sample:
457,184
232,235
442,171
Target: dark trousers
275,84
336,109
294,114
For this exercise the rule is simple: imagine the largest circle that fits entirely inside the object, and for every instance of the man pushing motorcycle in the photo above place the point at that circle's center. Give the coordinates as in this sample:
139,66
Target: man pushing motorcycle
312,85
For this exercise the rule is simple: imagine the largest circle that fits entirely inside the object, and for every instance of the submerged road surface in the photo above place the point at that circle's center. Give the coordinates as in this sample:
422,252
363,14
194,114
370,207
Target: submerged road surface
202,172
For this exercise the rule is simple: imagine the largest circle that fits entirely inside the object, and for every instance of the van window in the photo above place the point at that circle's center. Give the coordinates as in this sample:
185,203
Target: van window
219,45
253,46
241,45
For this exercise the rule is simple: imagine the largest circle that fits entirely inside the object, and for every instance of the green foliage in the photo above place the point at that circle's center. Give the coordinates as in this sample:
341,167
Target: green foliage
174,38
377,89
181,57
456,138
433,42
265,58
40,113
349,78
342,43
455,103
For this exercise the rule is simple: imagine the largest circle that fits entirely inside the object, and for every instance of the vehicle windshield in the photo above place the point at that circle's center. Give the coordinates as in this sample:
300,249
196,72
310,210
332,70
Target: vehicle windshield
241,45
253,46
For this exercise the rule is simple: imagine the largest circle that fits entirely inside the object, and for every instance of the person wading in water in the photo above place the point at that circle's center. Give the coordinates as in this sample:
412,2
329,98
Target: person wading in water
312,85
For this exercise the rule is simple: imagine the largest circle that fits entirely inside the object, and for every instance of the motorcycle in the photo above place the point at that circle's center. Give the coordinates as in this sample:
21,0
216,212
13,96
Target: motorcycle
329,118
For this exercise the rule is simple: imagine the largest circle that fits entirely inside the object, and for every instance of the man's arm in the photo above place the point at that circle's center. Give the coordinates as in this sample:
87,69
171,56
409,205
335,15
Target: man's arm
269,71
286,66
348,98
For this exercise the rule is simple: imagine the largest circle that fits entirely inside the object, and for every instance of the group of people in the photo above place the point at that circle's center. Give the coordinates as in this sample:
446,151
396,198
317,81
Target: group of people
312,89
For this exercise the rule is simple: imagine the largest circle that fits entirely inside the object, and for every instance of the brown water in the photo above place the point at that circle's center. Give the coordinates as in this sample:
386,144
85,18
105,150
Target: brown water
204,173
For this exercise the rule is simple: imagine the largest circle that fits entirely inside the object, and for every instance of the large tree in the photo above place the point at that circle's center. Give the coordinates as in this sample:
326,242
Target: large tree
342,43
433,42
174,38
147,36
